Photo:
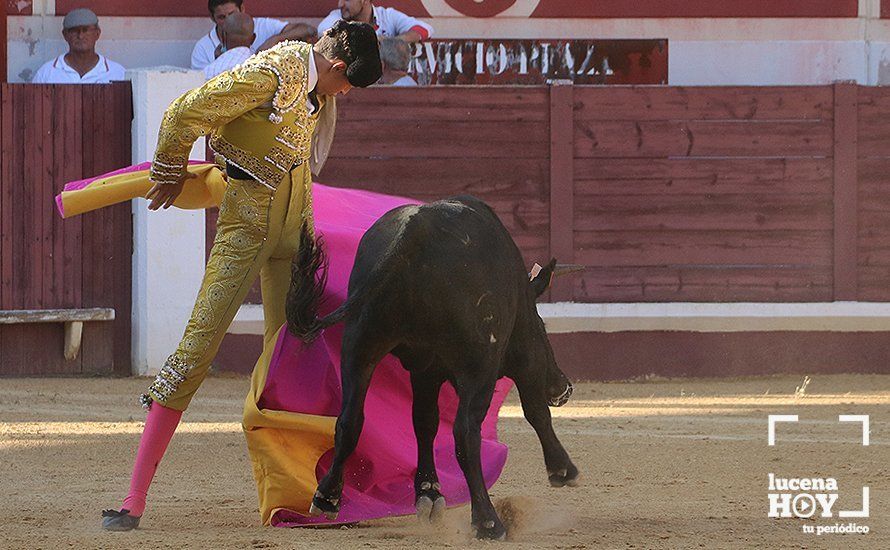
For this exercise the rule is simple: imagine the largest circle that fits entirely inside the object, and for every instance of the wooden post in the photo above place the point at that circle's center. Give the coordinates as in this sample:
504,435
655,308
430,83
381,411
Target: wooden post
562,200
846,219
73,336
3,46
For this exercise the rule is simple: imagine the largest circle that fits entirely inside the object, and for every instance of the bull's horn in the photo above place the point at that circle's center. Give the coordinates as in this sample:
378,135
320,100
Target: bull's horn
567,269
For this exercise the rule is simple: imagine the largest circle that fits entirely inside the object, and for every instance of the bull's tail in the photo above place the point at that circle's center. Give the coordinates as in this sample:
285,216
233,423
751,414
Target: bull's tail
307,289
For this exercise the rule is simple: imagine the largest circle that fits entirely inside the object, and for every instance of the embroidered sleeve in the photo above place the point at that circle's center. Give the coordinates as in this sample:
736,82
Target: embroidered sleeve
199,111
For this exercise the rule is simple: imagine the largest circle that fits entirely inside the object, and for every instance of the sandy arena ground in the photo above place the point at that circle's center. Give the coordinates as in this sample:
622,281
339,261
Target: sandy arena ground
665,464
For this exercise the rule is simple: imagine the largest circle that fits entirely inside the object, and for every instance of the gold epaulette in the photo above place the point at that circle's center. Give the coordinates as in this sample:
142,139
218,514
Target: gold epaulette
286,60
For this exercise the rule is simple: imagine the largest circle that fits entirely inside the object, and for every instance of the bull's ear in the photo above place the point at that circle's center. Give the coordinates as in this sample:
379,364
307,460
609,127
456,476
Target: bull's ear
541,282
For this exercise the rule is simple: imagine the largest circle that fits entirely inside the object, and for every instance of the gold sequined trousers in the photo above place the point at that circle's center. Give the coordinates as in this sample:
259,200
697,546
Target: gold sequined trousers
258,233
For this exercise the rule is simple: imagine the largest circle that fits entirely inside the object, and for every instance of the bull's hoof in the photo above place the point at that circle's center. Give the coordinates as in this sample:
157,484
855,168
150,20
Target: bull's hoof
321,505
429,504
491,530
113,520
561,478
430,510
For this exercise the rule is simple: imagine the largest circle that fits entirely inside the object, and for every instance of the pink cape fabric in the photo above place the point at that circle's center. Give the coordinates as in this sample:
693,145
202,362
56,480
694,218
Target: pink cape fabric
379,478
306,379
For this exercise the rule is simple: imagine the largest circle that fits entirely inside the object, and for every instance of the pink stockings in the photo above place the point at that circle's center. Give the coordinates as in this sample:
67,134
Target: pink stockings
160,424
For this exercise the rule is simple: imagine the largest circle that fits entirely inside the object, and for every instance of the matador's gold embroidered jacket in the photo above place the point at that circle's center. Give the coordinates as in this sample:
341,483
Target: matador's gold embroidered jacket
256,116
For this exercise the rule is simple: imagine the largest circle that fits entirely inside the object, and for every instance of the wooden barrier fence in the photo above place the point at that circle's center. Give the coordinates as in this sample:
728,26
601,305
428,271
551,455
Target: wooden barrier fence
775,194
51,135
705,194
3,46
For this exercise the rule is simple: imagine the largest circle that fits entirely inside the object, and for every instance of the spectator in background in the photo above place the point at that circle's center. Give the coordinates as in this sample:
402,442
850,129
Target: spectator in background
81,65
388,22
237,36
395,54
268,32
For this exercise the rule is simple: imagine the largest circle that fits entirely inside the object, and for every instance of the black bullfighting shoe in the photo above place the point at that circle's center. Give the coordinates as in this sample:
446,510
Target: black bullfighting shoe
112,520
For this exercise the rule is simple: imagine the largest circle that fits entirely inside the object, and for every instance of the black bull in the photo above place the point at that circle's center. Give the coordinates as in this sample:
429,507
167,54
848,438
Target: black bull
442,287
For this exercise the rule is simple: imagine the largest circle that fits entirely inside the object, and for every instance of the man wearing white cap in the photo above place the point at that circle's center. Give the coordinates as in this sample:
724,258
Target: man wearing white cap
81,65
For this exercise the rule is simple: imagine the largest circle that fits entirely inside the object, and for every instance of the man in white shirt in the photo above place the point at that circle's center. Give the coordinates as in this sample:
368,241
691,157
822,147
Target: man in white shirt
268,32
238,35
81,65
388,22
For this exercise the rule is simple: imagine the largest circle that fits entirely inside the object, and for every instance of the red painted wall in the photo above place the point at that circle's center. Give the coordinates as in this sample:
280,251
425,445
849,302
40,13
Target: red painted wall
166,8
627,355
696,8
18,7
488,8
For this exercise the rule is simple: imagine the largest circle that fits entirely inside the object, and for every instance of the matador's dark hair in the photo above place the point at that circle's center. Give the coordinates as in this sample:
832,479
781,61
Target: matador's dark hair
356,45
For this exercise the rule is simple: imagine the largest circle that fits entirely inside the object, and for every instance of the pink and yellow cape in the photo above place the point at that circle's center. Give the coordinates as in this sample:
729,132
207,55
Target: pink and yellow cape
295,393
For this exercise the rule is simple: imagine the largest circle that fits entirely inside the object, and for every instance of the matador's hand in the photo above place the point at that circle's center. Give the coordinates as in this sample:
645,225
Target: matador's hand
163,195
